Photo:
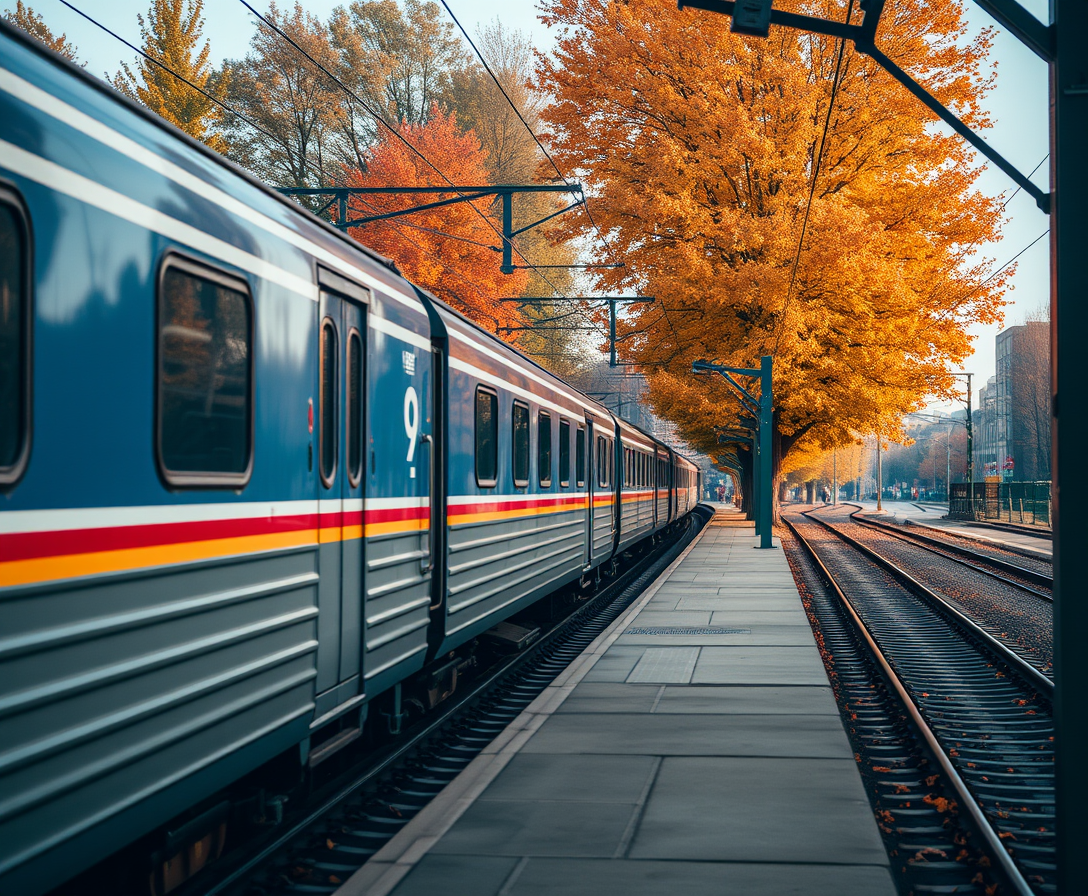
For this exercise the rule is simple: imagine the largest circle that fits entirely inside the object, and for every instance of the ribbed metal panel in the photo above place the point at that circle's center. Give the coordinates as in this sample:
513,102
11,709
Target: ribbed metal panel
114,688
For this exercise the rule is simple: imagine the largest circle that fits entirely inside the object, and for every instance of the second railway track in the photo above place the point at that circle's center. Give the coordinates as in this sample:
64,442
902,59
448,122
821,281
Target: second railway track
1018,614
1019,570
984,712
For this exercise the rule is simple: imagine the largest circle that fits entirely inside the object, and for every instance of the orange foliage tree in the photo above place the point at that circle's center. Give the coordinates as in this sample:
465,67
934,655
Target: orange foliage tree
701,147
450,251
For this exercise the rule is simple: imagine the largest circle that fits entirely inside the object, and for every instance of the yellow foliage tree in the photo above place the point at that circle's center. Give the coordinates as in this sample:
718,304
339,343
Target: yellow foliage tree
702,146
33,24
172,35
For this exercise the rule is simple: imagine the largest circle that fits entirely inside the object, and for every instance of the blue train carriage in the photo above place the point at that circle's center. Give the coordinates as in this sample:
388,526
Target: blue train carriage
636,505
522,480
186,365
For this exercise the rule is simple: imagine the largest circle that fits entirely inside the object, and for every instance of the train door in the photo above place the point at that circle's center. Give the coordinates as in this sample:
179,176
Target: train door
341,433
584,470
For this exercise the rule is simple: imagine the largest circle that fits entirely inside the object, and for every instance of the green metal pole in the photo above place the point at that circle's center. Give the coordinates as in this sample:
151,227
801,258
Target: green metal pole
756,480
766,492
507,266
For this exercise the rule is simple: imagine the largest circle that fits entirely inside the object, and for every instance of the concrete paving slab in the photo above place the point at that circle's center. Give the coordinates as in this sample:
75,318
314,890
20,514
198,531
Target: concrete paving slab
755,809
534,828
458,876
573,778
759,665
730,616
757,635
617,664
602,877
602,696
729,700
819,736
651,616
665,664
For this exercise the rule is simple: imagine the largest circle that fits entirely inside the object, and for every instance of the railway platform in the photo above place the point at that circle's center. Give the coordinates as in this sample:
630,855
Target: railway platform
694,747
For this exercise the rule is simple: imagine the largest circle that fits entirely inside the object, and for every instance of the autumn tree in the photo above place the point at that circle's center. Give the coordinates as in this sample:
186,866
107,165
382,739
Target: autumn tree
702,147
452,251
172,35
296,105
504,113
33,24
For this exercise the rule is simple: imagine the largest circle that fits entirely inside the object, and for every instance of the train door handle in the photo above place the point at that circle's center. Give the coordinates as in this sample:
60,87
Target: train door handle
426,563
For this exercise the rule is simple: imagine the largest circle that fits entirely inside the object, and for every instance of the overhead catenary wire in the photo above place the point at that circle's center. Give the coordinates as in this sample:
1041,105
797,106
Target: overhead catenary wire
169,70
812,186
395,132
585,200
528,127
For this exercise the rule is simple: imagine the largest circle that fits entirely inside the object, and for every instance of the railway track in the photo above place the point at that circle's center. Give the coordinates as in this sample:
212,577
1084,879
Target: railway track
982,714
325,842
1014,611
1037,575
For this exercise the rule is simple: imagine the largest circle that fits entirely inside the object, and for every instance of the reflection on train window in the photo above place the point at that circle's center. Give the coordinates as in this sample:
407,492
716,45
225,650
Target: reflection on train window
327,409
604,462
204,376
521,444
355,407
487,437
580,457
14,346
564,453
544,447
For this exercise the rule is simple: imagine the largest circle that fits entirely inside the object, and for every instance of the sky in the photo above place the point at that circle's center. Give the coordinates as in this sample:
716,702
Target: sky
1018,106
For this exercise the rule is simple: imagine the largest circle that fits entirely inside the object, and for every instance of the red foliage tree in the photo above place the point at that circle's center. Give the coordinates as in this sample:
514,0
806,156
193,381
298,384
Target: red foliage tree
451,251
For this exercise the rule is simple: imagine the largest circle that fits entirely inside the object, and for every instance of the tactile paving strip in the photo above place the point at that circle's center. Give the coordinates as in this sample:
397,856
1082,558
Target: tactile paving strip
665,665
688,630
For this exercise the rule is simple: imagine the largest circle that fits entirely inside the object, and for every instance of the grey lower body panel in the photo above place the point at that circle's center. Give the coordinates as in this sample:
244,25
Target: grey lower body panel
499,565
398,597
117,687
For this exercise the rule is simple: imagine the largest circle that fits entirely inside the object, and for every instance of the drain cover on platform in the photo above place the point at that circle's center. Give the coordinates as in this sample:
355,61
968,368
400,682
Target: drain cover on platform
688,630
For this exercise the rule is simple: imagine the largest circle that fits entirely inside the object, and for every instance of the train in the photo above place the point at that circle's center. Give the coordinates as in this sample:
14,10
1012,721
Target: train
253,482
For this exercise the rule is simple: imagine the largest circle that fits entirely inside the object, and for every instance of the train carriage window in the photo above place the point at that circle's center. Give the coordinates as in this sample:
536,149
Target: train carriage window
521,444
205,362
487,437
14,339
544,447
564,453
580,457
605,462
355,407
327,406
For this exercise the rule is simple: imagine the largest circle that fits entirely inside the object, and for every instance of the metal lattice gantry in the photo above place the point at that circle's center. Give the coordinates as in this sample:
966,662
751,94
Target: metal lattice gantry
610,300
340,197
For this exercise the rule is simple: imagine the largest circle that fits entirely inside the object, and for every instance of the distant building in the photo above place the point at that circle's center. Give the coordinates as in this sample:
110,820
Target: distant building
984,432
1022,403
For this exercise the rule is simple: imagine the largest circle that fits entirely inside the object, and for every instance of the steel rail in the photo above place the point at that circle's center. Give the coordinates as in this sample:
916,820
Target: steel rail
970,811
965,557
